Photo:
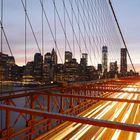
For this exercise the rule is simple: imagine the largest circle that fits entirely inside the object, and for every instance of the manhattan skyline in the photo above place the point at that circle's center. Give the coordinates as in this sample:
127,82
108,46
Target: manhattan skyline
126,12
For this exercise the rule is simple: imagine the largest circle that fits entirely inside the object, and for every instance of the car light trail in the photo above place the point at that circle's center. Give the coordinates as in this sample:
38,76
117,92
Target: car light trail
99,116
105,110
117,132
116,114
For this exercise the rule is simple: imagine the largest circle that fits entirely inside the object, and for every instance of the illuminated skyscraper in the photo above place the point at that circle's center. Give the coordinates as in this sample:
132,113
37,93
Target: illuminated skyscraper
123,68
113,72
54,57
104,59
38,65
113,67
48,58
85,58
68,56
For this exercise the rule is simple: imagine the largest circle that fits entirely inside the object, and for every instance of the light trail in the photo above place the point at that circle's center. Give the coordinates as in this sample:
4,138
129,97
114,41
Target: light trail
70,128
117,132
105,110
116,114
99,116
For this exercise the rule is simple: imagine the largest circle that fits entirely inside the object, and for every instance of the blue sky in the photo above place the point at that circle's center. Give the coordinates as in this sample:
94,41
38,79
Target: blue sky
128,14
127,11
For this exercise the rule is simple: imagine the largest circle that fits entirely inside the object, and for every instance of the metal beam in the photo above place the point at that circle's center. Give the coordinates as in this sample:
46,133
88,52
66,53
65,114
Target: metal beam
78,119
103,89
94,98
71,96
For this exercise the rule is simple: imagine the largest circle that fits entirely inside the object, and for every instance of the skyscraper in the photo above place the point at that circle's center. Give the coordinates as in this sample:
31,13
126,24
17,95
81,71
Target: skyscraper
123,68
6,64
48,58
99,68
85,58
50,62
113,67
68,56
83,66
47,67
104,59
38,66
54,57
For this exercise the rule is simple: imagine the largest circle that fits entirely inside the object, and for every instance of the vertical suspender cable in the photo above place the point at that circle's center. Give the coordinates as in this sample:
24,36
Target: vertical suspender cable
1,25
72,28
79,25
25,34
31,27
1,52
25,41
42,17
55,24
96,52
51,31
63,28
42,29
96,29
85,38
65,23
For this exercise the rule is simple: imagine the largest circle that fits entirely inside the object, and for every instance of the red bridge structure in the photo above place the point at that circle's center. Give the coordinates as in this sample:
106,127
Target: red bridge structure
105,104
42,110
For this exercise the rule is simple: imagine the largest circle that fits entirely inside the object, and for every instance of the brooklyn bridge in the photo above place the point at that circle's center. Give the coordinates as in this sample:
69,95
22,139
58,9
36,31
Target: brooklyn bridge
66,72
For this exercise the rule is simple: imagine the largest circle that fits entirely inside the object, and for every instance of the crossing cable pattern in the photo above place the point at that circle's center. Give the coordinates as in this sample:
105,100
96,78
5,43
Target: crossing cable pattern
97,38
104,31
3,33
116,40
51,31
95,48
121,35
5,36
25,10
72,26
86,26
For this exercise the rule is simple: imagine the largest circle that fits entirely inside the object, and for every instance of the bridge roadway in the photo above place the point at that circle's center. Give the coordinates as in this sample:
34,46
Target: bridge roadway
105,110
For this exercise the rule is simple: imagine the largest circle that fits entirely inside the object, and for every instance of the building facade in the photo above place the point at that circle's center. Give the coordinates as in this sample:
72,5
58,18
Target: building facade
123,64
113,72
104,60
68,56
38,66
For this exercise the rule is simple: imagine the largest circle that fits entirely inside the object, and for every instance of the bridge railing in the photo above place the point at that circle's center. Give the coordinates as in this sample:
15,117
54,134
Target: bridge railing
21,113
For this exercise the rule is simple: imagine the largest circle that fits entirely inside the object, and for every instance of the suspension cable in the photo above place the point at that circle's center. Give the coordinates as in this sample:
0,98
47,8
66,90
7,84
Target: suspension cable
113,12
5,36
53,36
42,16
1,79
25,37
1,25
62,26
73,28
25,10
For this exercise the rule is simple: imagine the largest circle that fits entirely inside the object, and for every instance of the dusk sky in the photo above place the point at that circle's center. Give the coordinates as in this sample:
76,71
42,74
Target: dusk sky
128,14
127,11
